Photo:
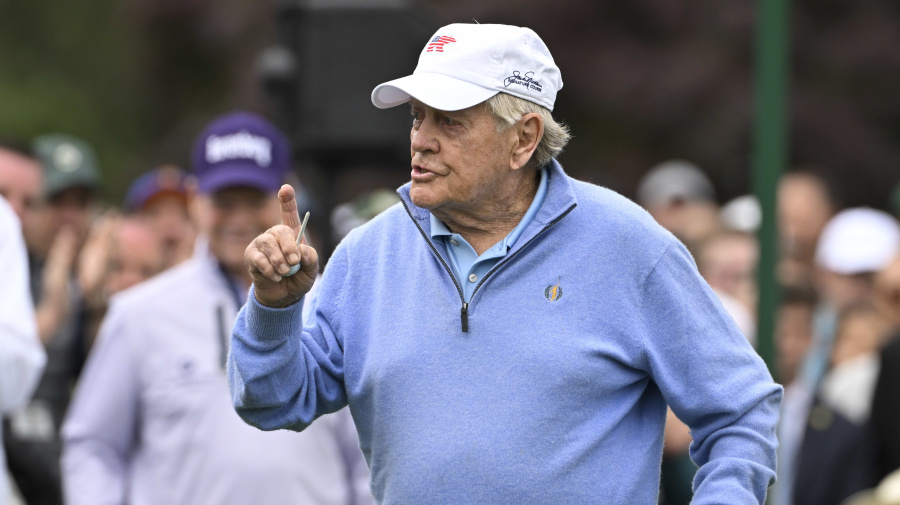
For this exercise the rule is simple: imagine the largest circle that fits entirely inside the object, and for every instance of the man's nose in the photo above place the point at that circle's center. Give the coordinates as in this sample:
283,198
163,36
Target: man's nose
422,139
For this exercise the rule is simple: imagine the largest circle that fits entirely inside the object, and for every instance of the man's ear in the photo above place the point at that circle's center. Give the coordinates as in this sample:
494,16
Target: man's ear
529,132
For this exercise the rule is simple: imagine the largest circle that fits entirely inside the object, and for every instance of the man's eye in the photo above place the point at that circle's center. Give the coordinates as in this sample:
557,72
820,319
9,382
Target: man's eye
448,121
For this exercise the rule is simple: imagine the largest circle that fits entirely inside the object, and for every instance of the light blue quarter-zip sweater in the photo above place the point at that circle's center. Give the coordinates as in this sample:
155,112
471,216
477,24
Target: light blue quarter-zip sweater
550,386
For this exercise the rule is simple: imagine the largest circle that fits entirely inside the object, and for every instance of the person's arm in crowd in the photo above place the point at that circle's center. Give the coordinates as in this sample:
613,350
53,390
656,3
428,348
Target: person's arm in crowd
55,303
94,265
713,380
99,432
22,357
279,375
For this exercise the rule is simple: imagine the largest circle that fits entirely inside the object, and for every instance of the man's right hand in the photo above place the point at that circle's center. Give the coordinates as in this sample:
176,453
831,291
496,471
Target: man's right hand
275,251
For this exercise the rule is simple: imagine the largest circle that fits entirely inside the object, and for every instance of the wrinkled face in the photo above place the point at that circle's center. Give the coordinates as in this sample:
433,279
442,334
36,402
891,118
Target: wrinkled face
137,256
232,218
459,159
168,216
21,183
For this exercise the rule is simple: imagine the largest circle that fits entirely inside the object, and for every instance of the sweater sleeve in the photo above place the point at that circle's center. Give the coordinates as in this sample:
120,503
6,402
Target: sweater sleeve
282,374
713,380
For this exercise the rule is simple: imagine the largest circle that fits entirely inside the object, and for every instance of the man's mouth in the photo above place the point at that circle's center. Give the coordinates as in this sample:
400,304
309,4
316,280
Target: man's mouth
421,174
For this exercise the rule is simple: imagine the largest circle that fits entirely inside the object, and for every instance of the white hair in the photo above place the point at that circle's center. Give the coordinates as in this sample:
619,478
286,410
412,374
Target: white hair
508,109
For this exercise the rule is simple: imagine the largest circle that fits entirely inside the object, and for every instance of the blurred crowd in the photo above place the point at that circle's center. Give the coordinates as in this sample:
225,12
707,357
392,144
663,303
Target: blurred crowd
83,253
838,351
837,326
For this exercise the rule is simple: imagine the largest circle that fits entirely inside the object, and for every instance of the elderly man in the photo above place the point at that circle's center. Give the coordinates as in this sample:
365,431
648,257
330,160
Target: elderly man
507,334
151,420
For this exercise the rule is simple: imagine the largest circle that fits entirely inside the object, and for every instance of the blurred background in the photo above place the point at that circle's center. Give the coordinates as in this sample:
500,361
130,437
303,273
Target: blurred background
645,80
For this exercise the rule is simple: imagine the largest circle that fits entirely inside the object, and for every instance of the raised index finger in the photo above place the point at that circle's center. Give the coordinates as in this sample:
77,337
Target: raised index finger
290,216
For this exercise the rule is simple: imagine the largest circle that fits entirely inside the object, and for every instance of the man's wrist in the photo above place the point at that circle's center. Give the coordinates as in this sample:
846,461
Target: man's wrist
280,304
268,323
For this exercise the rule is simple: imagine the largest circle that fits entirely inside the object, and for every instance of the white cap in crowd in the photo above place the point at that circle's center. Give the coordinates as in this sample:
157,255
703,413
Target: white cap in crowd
858,240
465,64
742,214
673,181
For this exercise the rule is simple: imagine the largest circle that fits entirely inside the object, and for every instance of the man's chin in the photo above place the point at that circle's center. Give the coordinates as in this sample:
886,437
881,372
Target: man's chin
422,197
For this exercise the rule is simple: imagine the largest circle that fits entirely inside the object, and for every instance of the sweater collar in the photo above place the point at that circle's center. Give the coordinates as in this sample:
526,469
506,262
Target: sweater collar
560,198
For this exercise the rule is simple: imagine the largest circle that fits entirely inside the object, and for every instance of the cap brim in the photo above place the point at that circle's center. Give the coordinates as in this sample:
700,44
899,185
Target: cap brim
155,197
237,175
434,90
54,188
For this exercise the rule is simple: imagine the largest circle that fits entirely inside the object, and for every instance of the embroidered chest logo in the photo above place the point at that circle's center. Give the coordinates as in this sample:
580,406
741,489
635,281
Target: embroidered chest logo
553,291
437,43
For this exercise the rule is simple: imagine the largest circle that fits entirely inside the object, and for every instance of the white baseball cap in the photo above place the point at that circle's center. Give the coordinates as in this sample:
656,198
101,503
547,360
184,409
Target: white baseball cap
465,64
857,241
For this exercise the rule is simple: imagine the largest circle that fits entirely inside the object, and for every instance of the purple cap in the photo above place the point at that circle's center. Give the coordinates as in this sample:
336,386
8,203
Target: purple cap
165,180
240,149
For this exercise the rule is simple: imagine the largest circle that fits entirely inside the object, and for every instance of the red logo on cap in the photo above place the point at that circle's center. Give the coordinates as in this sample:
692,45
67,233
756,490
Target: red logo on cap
437,43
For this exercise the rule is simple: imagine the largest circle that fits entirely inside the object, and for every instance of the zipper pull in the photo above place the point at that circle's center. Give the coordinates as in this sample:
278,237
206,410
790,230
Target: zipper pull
464,317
